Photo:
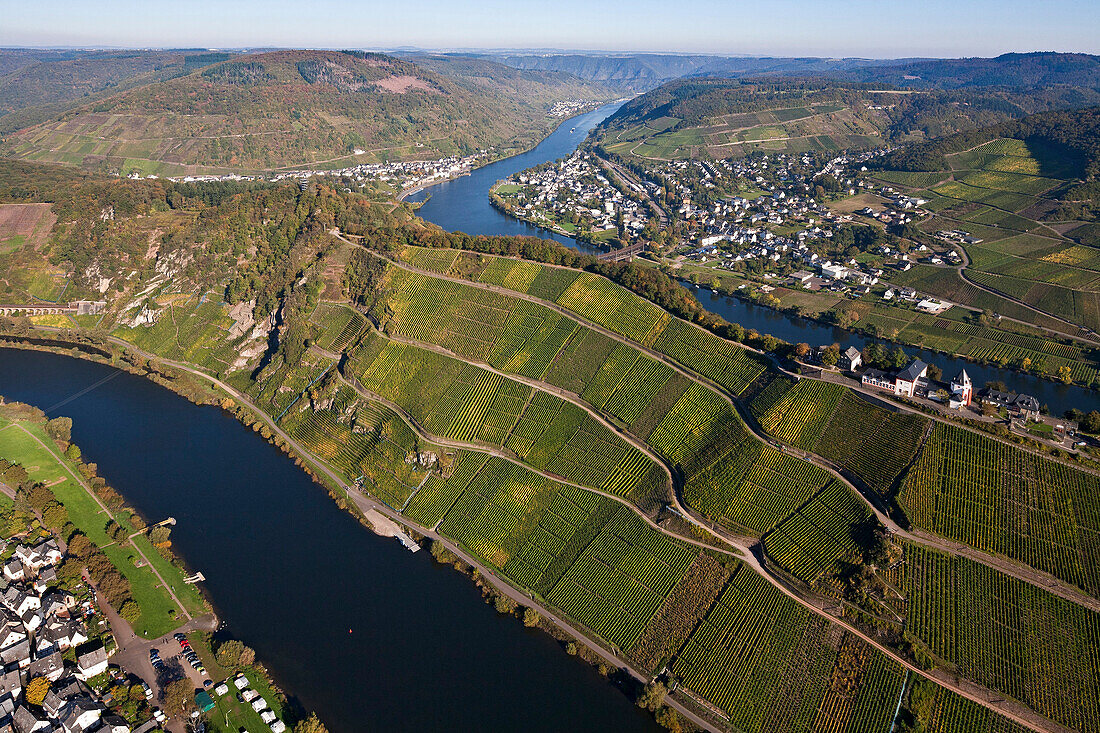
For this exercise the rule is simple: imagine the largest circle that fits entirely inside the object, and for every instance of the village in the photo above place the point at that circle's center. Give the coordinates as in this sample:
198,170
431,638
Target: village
574,196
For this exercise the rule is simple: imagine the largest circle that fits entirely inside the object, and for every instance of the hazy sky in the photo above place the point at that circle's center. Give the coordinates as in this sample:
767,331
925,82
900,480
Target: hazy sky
782,27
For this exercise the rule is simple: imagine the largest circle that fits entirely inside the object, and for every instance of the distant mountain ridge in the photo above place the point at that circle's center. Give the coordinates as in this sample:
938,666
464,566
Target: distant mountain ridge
304,109
642,72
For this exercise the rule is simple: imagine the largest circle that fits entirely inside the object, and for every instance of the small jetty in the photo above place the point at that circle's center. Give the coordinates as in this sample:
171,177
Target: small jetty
383,526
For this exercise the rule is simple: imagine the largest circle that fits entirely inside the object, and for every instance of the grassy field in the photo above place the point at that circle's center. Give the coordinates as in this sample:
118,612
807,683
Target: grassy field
159,613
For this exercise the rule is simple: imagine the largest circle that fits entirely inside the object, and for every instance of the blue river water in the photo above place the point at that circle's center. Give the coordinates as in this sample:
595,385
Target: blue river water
369,635
462,205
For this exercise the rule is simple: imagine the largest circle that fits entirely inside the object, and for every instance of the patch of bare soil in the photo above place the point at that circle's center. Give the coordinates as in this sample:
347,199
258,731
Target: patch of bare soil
403,83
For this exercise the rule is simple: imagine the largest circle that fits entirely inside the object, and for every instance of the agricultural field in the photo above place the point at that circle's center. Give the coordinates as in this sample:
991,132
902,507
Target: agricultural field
790,129
811,542
339,326
802,414
873,443
997,192
1041,649
459,401
769,664
193,328
952,713
616,308
721,361
621,579
746,485
364,442
26,275
1001,499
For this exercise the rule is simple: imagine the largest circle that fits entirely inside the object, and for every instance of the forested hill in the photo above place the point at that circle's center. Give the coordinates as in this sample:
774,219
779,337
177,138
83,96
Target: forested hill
704,112
1075,132
302,108
1016,70
36,85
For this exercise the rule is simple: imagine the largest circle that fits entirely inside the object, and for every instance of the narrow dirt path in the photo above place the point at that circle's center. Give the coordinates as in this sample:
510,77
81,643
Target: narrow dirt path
61,462
983,696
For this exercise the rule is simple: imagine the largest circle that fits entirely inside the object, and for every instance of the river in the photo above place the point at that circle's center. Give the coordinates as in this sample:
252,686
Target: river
369,635
463,205
1058,397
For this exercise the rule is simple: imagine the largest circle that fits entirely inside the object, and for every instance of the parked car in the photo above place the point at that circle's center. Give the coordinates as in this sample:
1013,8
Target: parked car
148,690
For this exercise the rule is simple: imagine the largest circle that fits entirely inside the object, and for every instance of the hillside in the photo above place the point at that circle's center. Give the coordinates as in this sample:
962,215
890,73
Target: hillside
538,416
722,118
301,109
38,85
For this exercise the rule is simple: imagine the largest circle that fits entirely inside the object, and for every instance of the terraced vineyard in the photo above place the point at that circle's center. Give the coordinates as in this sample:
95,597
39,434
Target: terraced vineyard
615,308
189,328
621,579
768,663
722,361
339,326
999,498
459,401
801,415
746,485
361,440
810,542
1007,634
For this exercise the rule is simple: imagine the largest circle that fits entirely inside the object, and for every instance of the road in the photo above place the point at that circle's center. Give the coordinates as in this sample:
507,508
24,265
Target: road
81,482
980,695
1014,569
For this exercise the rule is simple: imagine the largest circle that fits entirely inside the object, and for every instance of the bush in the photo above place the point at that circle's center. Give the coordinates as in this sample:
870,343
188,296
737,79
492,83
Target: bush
504,604
531,618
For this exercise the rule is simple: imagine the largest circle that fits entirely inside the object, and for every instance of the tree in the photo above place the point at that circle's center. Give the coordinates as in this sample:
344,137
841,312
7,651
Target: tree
504,604
531,617
130,611
666,718
60,429
179,697
652,696
1090,423
248,656
312,724
36,690
802,350
159,535
55,516
72,452
934,372
229,653
1065,374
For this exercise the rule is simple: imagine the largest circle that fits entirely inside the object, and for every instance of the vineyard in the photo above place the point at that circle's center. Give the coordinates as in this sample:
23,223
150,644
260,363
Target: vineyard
621,579
194,329
459,401
769,664
339,326
1007,634
873,443
362,439
745,484
719,360
952,713
810,542
616,308
428,258
436,497
999,498
691,423
800,416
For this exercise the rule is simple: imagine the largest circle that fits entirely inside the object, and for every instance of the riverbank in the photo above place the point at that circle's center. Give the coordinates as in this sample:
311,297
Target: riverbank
354,509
